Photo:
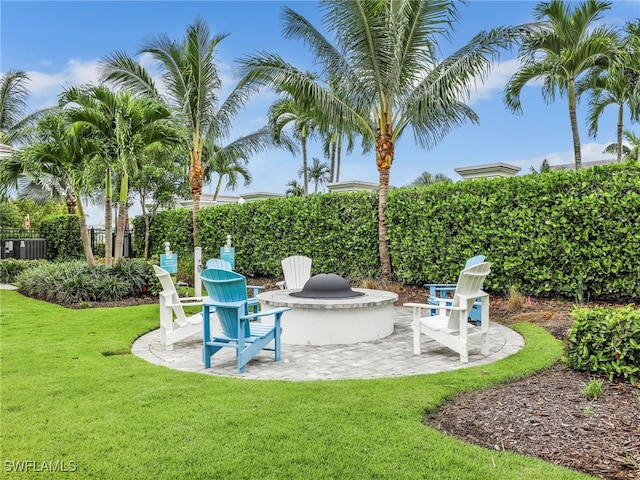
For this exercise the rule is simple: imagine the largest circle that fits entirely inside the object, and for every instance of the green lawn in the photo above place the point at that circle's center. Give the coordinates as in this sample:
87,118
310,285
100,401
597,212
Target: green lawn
72,393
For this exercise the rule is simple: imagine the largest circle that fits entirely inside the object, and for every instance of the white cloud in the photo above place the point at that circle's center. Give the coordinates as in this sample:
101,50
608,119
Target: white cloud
591,152
45,87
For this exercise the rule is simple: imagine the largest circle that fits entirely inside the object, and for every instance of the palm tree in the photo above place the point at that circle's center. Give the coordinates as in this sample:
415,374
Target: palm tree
128,127
229,167
289,110
318,172
16,126
63,151
618,84
628,154
294,189
427,178
191,82
386,56
566,49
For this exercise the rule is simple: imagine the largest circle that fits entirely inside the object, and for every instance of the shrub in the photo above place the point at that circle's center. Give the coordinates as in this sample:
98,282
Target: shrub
11,268
75,282
605,341
63,234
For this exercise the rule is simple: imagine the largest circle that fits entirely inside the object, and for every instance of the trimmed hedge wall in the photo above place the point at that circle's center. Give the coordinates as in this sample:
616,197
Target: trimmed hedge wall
571,234
574,234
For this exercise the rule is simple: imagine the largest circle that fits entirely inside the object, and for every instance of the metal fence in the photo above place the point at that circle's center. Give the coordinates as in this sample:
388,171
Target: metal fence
97,236
30,245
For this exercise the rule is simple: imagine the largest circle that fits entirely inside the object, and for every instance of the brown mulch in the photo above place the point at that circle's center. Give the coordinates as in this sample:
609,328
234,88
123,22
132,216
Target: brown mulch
544,415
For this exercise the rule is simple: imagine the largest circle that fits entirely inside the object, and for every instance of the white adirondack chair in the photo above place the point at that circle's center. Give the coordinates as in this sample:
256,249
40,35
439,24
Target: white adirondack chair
450,326
175,325
297,270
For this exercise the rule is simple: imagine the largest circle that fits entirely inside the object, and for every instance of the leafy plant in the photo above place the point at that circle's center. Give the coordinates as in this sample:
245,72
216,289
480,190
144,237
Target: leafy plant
11,268
516,301
605,341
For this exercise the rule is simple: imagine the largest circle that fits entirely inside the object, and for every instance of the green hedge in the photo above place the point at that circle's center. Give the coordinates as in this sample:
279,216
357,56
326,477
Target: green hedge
63,235
571,234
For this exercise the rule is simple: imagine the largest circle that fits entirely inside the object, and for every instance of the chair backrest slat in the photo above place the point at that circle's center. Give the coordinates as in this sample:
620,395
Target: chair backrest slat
469,284
219,264
297,271
226,286
168,287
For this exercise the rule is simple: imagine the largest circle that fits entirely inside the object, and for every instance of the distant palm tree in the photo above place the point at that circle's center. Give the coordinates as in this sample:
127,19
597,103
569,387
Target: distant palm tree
226,167
294,189
386,56
289,110
318,172
567,48
426,178
628,153
544,167
618,83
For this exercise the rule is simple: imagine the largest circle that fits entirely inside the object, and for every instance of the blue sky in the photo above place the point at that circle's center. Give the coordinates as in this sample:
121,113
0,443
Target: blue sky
59,43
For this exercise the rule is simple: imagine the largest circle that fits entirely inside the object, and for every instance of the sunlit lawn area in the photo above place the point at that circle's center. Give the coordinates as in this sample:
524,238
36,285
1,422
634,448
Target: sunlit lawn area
72,393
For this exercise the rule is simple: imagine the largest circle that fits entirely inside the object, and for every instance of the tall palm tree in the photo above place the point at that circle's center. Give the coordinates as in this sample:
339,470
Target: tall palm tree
128,127
385,54
627,153
289,110
617,84
192,84
568,47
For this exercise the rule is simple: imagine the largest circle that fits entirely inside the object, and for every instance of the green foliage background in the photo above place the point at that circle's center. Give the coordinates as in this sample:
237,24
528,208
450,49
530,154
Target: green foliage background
63,235
572,234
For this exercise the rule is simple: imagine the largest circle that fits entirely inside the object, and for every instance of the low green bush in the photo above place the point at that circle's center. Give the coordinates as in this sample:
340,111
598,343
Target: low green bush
605,341
75,282
11,268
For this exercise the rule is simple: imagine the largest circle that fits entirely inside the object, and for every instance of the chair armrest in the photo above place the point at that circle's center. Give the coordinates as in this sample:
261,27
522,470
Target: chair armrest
440,285
239,304
256,287
432,307
265,313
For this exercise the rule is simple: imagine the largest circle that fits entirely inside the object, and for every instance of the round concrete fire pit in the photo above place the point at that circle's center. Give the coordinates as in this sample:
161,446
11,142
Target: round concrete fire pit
333,321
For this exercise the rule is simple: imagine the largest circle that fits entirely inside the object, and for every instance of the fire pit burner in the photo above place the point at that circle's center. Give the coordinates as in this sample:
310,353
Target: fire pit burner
326,285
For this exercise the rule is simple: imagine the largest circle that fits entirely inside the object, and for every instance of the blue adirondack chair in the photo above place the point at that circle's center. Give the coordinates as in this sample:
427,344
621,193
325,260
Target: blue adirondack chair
439,291
254,305
228,295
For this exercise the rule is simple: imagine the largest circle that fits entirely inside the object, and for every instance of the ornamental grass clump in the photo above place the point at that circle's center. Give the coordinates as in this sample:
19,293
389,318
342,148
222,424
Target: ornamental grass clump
76,282
605,341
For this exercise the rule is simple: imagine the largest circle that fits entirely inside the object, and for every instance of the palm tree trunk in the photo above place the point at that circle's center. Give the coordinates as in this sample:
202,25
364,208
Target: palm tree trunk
305,173
218,186
196,179
383,238
384,159
619,131
338,159
84,232
574,125
122,217
108,220
332,168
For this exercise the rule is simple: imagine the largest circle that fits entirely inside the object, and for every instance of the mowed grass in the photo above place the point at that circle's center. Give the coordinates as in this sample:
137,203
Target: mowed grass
72,393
